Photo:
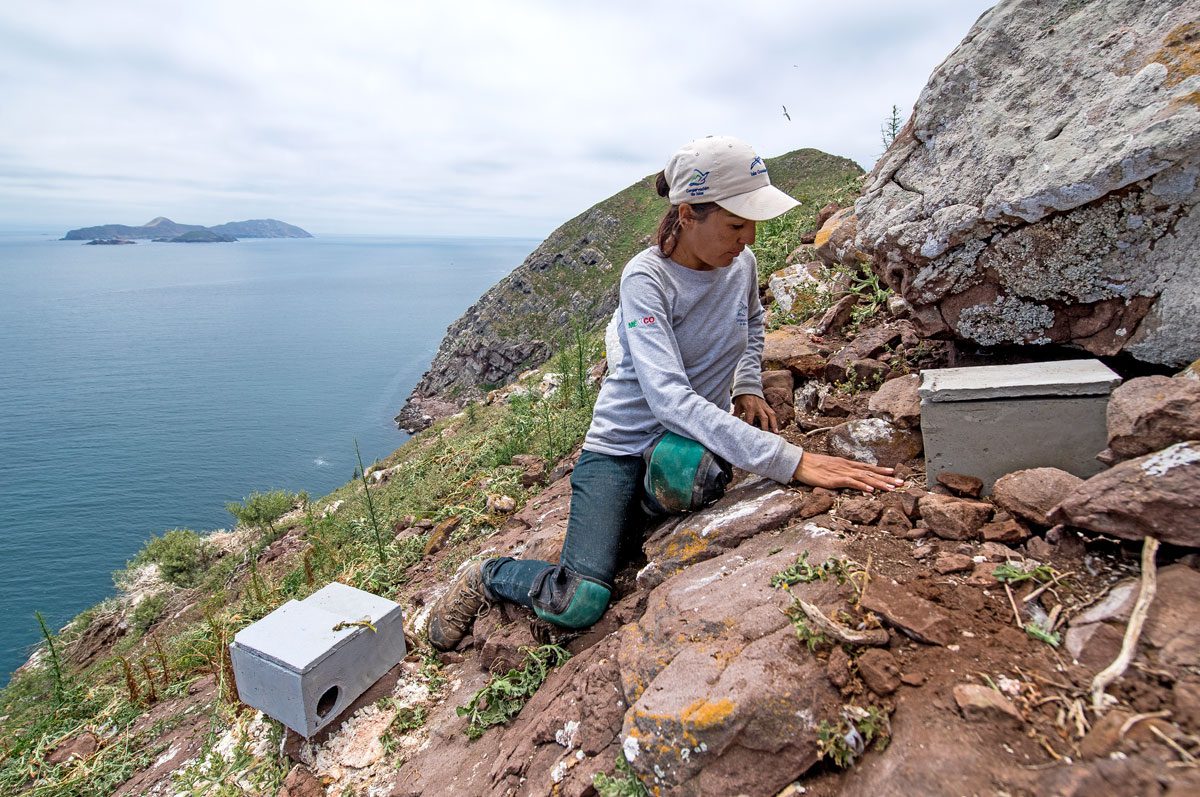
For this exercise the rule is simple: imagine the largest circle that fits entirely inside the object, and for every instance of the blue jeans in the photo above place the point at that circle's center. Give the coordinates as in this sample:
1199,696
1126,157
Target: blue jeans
606,520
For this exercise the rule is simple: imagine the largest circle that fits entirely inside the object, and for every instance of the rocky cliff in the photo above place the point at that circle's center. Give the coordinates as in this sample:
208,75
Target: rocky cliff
569,283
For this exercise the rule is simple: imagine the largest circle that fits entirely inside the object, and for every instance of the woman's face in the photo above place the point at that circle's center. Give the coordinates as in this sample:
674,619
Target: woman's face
713,242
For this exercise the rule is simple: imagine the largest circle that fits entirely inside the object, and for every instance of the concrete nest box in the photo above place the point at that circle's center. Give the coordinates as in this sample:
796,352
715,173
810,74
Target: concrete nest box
995,419
305,662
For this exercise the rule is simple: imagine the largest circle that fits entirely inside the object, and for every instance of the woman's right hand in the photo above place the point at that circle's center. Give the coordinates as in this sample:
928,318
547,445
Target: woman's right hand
820,470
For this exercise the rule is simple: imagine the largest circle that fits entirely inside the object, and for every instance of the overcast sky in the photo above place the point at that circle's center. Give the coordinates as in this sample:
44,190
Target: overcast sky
470,118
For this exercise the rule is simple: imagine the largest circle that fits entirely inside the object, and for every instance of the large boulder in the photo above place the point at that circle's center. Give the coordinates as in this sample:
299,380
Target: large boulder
1154,495
723,698
1031,494
876,441
1044,191
1150,413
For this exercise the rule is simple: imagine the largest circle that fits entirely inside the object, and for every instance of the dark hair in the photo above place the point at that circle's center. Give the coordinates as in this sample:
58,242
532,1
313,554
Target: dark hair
668,229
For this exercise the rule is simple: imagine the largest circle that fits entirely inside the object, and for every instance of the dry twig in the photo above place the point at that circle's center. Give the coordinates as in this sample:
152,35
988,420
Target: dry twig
1132,631
1013,603
876,637
1051,583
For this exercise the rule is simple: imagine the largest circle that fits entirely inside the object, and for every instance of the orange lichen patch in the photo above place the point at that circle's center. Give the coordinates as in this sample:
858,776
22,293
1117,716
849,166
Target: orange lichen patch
686,546
705,714
1180,54
1187,99
823,235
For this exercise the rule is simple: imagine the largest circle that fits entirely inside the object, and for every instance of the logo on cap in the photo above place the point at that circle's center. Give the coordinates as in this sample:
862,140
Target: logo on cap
759,163
699,178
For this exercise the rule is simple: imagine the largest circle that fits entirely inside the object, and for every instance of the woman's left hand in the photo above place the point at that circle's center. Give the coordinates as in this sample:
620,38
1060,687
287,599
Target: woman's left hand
756,412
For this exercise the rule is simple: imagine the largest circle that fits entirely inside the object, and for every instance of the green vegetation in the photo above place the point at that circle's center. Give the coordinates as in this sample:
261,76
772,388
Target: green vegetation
362,473
891,127
505,695
1051,638
147,612
804,572
181,555
261,510
1014,574
622,783
842,742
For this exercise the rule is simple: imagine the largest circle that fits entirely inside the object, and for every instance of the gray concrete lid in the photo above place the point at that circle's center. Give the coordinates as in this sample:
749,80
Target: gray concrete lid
1063,378
300,634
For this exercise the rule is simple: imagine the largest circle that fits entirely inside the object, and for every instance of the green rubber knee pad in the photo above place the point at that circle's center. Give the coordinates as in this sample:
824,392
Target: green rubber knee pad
582,604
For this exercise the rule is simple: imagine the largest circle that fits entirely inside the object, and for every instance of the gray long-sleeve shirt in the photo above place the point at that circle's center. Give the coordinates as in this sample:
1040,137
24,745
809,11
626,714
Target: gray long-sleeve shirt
681,344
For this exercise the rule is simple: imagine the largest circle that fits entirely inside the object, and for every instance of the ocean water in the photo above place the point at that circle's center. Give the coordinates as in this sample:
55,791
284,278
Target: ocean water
144,387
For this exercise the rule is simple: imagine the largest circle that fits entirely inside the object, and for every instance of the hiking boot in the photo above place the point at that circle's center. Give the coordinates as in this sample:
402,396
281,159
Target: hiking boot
453,615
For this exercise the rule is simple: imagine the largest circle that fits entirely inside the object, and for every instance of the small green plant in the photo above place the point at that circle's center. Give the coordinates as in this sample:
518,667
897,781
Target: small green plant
147,612
261,510
56,668
891,127
842,742
505,695
804,572
1052,638
622,783
431,671
812,639
1015,574
832,743
370,507
181,556
872,296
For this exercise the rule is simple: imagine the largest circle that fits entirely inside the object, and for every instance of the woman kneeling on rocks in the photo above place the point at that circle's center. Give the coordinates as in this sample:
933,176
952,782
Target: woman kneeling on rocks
684,344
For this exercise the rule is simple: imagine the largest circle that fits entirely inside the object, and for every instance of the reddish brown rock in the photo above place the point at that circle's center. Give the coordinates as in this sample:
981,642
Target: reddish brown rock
960,484
862,510
441,534
879,671
984,704
946,563
897,402
777,392
910,613
835,240
82,747
1151,495
301,782
753,507
865,346
1150,413
836,405
533,469
907,501
791,347
875,441
954,518
837,669
1031,494
1009,532
894,521
837,316
692,668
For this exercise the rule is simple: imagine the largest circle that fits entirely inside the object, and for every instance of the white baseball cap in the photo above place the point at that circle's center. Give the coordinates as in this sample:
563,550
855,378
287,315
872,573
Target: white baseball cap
727,171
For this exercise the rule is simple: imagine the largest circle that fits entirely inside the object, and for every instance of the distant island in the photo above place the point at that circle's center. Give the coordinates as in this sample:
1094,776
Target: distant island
163,229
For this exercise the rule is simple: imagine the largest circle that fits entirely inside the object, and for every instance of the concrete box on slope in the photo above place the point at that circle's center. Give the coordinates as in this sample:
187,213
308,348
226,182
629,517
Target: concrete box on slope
995,419
306,661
